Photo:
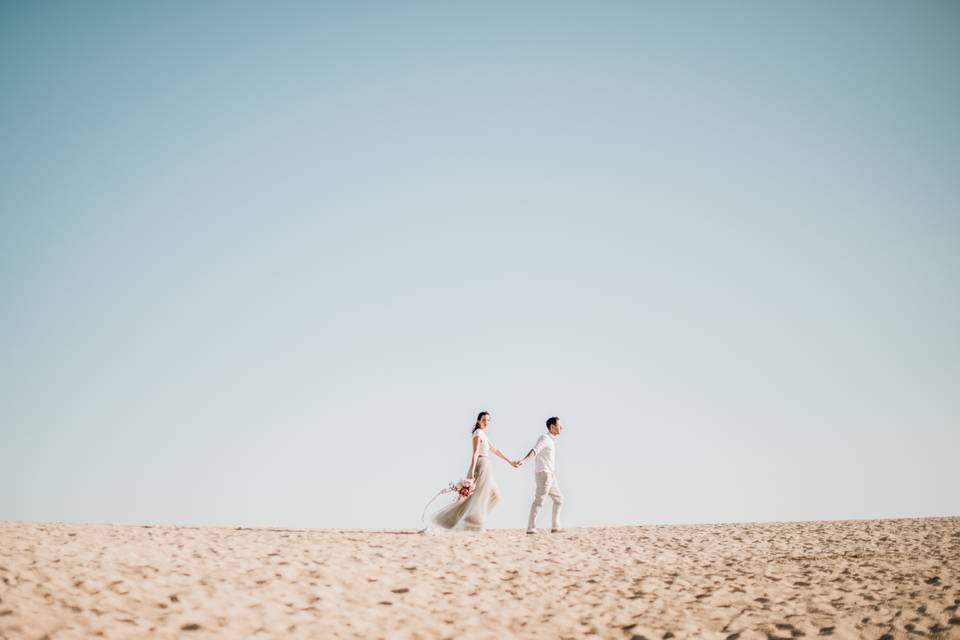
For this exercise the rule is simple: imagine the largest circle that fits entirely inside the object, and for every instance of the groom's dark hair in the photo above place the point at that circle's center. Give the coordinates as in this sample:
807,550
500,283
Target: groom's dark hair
552,421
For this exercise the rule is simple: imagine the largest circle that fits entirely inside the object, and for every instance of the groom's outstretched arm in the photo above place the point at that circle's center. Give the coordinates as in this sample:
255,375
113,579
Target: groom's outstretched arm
526,457
537,448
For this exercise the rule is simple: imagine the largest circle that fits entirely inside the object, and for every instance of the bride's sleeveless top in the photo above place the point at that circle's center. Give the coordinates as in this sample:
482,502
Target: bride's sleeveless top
484,443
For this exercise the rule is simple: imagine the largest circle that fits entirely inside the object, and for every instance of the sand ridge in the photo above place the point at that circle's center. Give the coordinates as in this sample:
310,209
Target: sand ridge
854,579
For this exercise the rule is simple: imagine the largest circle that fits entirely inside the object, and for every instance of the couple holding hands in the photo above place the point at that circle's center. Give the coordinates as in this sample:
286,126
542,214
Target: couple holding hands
479,492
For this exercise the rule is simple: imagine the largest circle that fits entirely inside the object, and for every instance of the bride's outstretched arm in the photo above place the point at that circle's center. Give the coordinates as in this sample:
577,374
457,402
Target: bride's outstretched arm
473,458
500,453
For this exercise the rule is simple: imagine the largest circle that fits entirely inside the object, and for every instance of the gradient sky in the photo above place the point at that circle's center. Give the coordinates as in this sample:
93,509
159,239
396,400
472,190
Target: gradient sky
261,264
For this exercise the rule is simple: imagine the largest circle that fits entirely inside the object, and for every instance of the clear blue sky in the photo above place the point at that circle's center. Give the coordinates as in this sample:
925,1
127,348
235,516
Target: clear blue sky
262,263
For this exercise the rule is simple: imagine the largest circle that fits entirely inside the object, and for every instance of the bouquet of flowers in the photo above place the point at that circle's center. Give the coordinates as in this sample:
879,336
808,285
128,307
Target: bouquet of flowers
464,489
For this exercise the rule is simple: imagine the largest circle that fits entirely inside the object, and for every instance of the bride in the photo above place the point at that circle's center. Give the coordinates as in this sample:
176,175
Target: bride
470,513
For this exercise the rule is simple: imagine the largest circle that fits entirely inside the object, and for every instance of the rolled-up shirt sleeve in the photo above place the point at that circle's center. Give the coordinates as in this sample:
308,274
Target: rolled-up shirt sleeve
538,447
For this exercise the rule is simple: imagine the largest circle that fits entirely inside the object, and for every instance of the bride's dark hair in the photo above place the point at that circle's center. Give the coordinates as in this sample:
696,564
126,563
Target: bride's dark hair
479,418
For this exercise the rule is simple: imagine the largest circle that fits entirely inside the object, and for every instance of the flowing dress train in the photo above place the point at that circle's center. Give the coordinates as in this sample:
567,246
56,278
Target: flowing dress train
470,513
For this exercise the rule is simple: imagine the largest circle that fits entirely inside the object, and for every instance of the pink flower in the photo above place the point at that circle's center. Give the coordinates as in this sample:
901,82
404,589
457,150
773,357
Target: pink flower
464,488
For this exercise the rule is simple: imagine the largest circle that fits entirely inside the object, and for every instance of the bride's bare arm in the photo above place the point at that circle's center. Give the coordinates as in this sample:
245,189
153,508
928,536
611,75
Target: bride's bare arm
473,459
499,453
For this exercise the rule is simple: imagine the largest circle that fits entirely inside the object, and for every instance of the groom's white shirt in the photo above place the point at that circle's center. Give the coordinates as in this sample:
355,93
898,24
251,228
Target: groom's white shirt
546,451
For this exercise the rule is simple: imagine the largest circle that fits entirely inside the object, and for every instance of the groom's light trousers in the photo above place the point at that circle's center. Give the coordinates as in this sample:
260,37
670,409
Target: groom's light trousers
546,486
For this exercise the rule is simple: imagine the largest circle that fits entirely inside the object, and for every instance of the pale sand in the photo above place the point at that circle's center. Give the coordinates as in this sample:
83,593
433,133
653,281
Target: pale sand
842,579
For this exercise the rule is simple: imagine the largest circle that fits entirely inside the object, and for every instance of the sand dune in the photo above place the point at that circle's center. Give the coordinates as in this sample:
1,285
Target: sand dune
858,579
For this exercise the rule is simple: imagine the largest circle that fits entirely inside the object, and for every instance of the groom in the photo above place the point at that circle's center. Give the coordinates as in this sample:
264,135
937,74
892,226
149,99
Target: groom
545,451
